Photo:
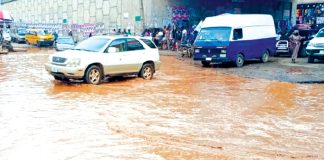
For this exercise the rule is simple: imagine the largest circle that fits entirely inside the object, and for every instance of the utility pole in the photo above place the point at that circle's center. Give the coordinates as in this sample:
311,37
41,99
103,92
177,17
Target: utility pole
142,14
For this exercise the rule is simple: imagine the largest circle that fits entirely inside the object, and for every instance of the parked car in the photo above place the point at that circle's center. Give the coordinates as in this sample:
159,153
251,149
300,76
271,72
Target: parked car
39,37
315,48
18,36
285,46
64,43
99,57
235,38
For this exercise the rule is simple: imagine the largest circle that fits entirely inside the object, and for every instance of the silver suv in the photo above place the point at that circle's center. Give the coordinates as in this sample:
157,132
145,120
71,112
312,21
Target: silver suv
105,56
315,48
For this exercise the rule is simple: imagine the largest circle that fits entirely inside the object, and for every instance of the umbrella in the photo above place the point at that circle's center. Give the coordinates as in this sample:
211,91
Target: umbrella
5,17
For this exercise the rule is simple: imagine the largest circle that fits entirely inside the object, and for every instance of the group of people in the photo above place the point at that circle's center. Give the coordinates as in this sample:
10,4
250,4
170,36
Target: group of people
171,38
120,32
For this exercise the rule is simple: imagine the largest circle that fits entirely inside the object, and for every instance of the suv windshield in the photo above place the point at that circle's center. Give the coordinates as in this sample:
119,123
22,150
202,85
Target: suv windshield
215,33
320,33
93,44
65,41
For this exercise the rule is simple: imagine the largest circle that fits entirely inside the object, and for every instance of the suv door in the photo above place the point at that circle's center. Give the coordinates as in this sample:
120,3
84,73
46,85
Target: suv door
112,61
132,58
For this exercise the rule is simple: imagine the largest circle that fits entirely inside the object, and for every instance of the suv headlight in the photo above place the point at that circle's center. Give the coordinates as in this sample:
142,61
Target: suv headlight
74,62
197,50
41,39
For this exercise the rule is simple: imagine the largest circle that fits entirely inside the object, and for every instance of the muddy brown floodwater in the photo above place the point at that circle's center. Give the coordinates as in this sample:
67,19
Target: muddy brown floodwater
185,112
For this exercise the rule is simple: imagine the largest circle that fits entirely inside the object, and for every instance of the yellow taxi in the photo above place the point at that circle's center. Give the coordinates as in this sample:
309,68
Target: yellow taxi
39,37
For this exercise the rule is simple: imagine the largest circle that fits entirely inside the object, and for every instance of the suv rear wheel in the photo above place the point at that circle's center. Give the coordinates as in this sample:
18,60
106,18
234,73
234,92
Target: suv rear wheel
303,52
93,75
147,71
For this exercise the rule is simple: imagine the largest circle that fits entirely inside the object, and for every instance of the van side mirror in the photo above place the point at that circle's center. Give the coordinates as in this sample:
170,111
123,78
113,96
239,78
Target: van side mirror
112,50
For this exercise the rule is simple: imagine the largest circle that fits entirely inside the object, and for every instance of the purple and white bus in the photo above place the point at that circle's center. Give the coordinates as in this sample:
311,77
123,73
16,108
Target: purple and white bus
235,38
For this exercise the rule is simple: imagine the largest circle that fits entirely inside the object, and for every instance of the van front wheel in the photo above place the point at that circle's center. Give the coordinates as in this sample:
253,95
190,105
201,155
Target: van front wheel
265,57
239,60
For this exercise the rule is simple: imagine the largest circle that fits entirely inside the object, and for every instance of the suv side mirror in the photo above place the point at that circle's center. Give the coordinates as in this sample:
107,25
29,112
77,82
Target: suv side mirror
112,50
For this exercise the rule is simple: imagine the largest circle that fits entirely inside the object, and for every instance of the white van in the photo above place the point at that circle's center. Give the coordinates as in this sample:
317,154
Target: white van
235,38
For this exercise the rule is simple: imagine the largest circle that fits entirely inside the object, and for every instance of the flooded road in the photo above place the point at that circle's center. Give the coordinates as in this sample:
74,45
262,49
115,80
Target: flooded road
185,112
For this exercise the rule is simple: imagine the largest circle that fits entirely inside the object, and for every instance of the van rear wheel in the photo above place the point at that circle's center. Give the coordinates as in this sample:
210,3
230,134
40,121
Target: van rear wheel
265,57
239,60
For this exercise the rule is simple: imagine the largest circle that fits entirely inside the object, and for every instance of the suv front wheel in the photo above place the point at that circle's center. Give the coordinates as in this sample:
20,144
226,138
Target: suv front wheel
147,71
93,75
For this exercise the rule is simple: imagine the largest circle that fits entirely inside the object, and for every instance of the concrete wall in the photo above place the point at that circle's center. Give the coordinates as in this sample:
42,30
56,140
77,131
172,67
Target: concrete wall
113,13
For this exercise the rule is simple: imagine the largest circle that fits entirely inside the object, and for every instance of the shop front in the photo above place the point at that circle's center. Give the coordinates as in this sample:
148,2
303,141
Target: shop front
311,13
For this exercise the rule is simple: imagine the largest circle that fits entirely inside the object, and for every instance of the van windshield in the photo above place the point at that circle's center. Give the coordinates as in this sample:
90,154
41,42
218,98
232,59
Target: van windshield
215,33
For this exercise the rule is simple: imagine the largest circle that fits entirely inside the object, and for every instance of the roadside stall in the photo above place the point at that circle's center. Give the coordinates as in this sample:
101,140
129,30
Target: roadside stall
312,14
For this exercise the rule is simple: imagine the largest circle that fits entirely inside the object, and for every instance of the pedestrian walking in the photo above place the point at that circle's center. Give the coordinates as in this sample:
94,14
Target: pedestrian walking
70,34
295,39
129,32
168,38
147,33
119,32
114,32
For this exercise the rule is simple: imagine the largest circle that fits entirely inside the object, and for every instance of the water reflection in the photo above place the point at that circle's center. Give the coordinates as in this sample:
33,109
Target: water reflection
185,112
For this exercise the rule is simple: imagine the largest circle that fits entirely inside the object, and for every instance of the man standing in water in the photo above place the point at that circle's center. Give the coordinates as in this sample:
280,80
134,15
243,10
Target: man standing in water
295,38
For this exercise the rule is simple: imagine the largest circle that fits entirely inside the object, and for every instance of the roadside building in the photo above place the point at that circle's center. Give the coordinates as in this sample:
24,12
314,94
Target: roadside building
103,16
310,12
